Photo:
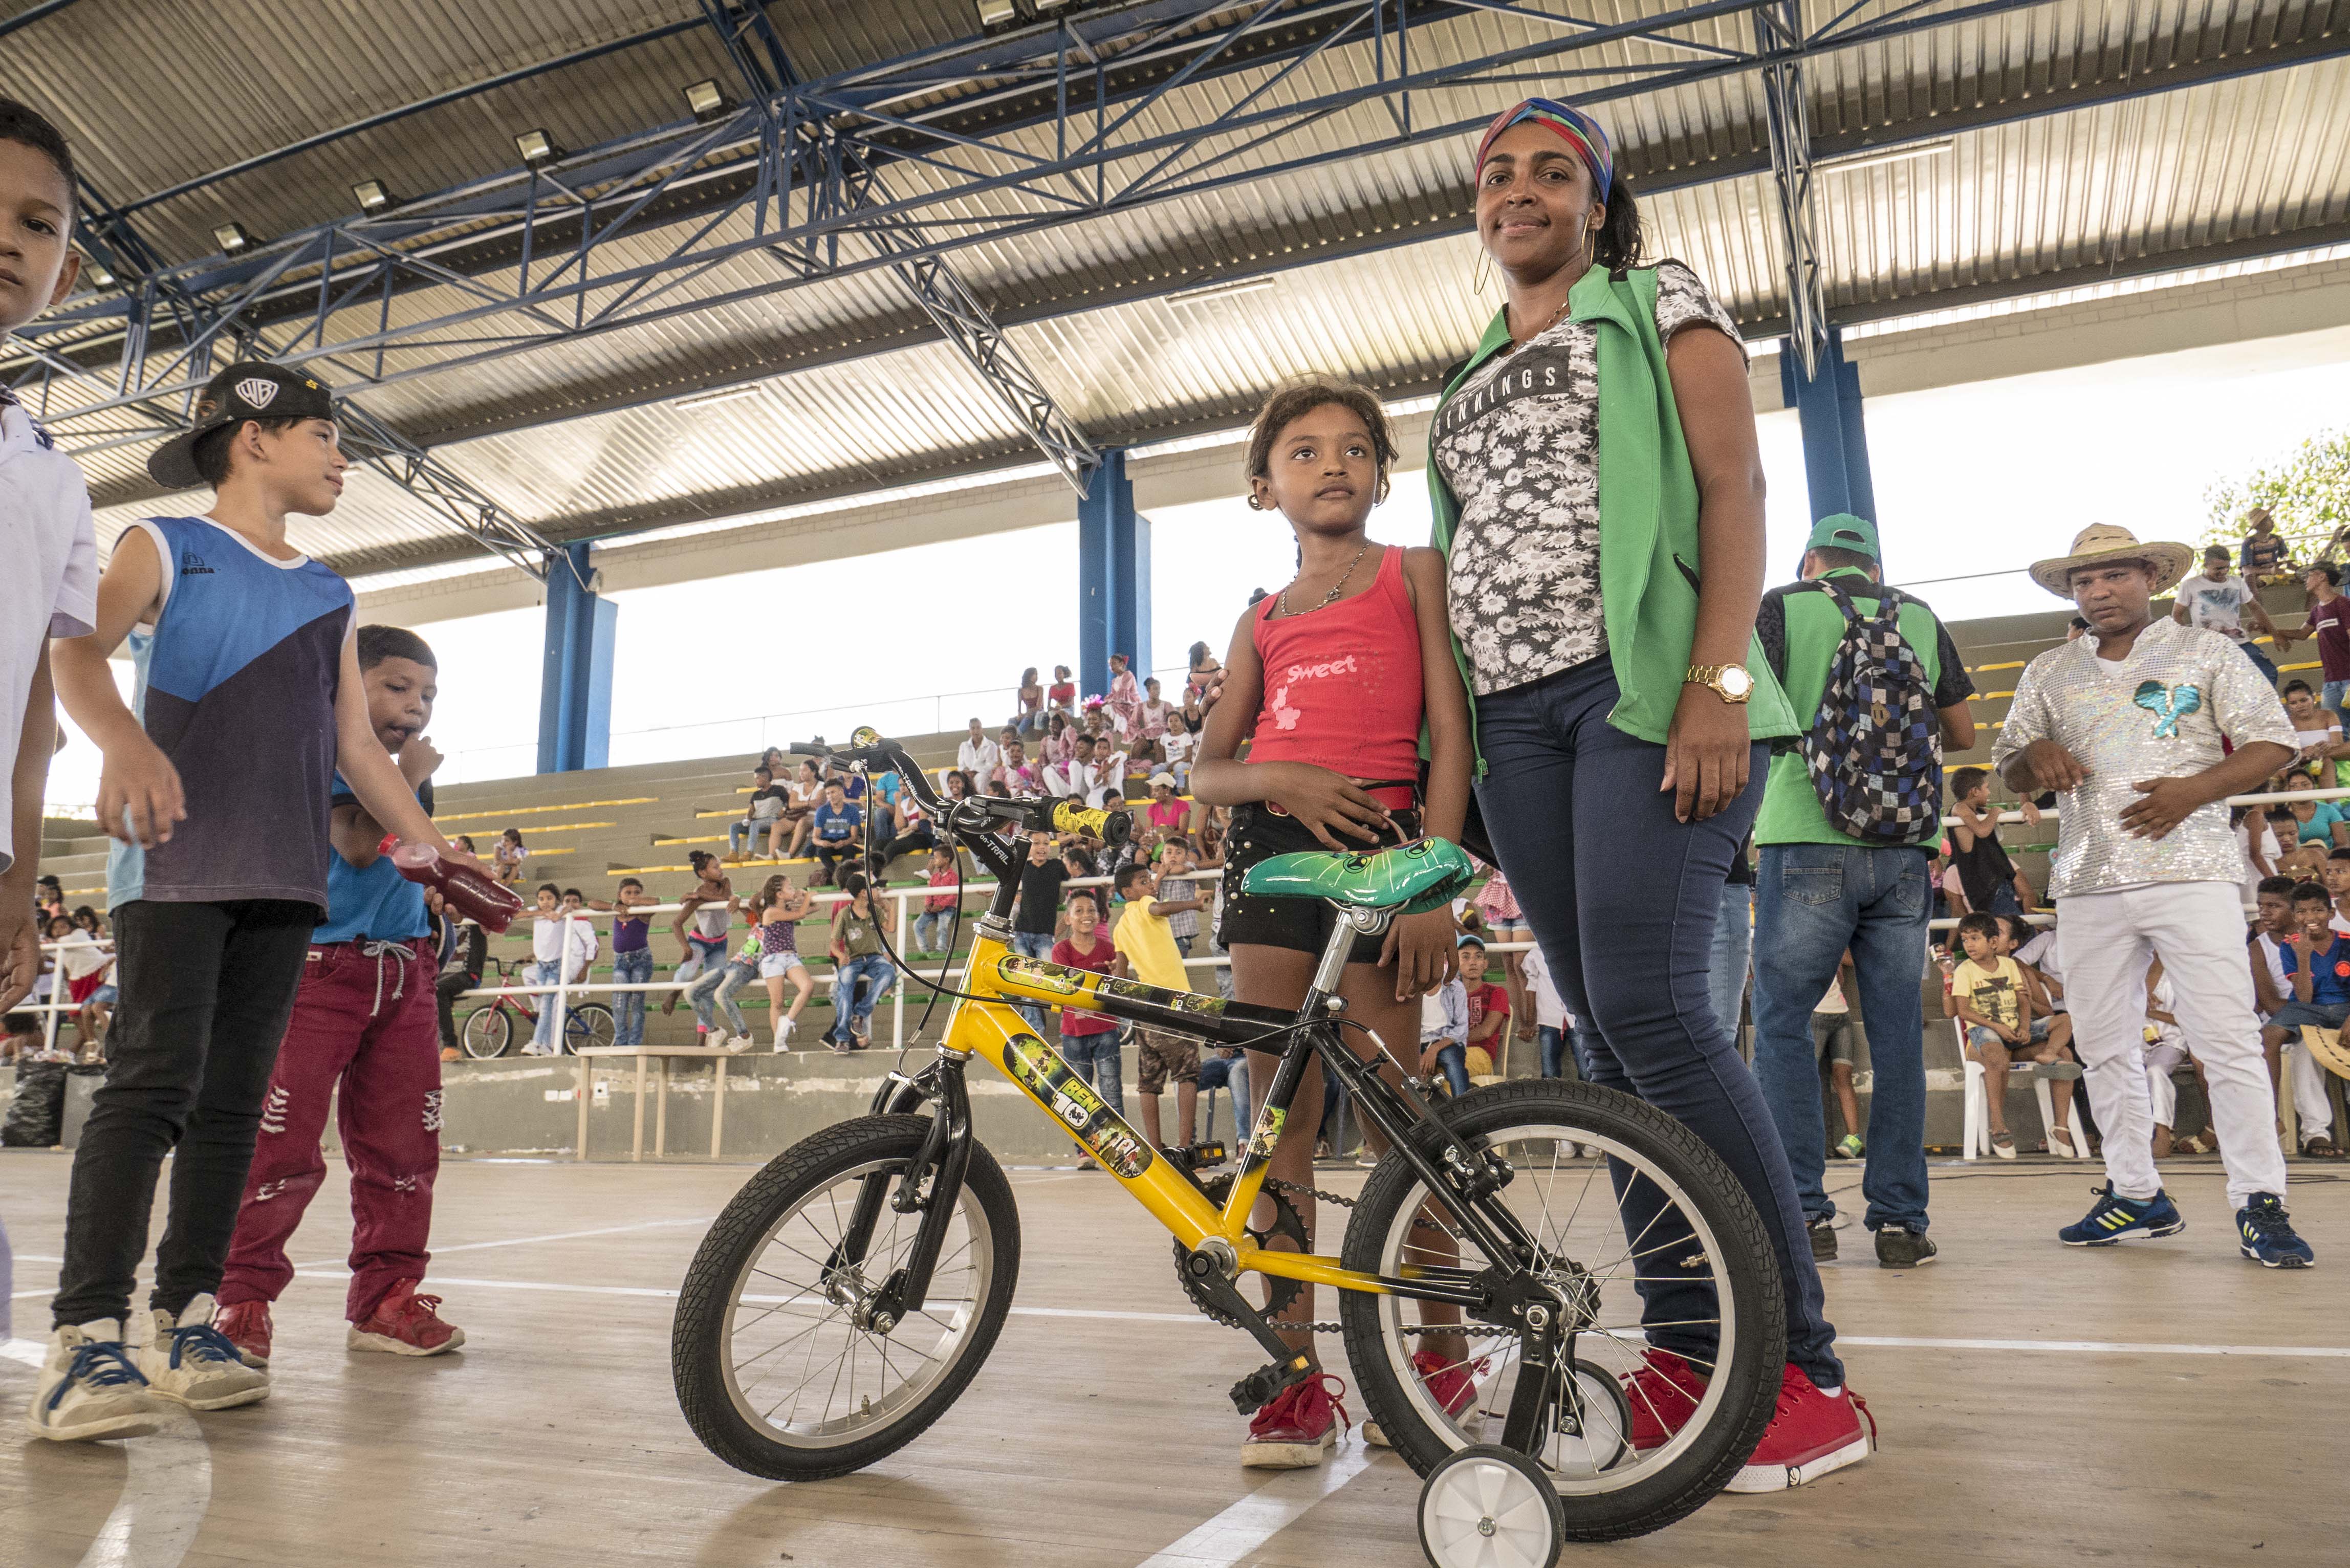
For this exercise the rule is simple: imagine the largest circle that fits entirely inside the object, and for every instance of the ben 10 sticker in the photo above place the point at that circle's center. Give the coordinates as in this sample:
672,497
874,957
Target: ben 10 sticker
1090,1122
1268,1132
1059,978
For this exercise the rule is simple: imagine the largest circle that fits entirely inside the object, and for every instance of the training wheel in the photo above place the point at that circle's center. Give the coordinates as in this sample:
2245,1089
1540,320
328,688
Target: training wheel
1490,1507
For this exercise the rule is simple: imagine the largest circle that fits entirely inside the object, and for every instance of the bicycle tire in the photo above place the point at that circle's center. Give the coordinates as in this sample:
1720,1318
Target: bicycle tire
589,1024
699,1338
487,1033
1754,1322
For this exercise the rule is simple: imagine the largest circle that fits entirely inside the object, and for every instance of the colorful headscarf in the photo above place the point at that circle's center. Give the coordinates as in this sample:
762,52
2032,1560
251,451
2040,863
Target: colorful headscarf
1578,129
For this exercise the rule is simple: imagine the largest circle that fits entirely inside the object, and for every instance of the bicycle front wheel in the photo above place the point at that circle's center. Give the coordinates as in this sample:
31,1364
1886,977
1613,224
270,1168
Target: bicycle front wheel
778,1368
487,1033
1659,1222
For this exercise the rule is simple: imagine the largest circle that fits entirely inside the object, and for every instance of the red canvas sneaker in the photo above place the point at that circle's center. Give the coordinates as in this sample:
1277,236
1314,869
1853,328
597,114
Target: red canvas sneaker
1452,1384
1291,1433
246,1324
404,1323
1812,1435
1664,1391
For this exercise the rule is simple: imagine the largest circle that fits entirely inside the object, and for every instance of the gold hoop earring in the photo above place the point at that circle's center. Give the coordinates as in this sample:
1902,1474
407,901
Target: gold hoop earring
1483,278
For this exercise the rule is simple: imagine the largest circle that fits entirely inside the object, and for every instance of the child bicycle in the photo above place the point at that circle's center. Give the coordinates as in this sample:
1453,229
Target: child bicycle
851,1290
488,1030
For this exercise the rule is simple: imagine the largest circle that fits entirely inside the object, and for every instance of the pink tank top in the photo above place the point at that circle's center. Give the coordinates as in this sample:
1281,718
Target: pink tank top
1342,687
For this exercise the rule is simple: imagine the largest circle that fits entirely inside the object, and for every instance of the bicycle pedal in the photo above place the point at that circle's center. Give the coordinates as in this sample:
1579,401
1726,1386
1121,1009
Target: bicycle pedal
1263,1386
1194,1157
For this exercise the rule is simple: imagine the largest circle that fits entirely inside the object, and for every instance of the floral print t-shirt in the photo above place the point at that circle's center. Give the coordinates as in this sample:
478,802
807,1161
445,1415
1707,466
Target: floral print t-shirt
1519,444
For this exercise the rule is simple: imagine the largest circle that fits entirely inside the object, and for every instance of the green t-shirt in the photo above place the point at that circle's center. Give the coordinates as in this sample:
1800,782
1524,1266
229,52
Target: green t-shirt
1799,627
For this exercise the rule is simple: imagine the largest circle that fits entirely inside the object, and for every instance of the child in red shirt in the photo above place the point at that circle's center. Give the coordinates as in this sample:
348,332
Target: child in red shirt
1090,1040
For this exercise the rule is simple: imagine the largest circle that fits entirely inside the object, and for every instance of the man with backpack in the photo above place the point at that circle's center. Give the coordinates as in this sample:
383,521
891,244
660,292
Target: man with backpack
1851,811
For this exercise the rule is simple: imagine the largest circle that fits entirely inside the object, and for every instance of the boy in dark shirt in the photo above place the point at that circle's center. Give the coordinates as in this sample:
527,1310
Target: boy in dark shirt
218,790
1036,914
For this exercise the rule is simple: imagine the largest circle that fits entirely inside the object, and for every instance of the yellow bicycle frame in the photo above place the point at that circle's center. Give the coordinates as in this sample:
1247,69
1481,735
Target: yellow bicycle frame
991,1030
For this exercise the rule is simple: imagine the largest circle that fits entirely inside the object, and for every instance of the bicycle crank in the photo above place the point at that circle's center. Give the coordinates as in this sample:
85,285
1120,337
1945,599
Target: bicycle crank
1279,1293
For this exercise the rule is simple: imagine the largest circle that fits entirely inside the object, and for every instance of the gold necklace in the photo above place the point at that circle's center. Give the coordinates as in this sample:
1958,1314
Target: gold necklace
1281,600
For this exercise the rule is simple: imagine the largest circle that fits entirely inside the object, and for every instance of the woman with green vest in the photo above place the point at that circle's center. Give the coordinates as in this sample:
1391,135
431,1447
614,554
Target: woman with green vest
1598,492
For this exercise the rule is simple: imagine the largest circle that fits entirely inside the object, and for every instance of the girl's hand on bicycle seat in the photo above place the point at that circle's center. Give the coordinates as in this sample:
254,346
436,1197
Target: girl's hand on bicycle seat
1326,803
1423,948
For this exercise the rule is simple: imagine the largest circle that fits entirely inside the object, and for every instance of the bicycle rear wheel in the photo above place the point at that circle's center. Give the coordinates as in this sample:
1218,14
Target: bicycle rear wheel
777,1371
488,1031
589,1024
1700,1246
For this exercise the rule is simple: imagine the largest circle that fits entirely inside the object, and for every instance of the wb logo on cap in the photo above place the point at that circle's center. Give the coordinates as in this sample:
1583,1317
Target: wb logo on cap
256,390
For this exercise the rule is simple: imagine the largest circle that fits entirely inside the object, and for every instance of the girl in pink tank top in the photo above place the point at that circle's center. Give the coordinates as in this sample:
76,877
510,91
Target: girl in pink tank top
1327,688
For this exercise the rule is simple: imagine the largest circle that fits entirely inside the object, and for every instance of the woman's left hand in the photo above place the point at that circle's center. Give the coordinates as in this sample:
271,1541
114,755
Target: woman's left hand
1706,753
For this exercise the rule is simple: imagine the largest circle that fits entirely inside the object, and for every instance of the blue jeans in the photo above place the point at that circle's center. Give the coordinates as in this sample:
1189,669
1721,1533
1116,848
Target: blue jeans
1552,1045
2261,662
1733,945
1816,900
2003,901
714,989
1096,1059
857,987
1229,1072
752,828
1624,900
632,968
2324,1014
932,928
2332,700
1453,1061
1035,945
544,971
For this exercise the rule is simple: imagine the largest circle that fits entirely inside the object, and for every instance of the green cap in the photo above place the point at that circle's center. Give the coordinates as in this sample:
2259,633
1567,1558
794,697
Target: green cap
1843,530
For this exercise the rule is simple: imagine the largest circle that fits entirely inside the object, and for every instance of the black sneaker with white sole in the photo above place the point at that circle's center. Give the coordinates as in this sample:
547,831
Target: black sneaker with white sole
1821,1231
1897,1248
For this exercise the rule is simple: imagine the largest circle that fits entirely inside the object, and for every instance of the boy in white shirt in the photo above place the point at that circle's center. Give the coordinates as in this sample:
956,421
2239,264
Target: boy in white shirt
2215,599
546,945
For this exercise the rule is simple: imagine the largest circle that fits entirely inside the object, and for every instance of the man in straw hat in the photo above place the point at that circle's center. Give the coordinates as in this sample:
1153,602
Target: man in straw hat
2127,722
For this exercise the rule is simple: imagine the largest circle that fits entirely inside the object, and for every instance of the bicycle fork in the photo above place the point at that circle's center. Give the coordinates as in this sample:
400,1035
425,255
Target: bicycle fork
943,1158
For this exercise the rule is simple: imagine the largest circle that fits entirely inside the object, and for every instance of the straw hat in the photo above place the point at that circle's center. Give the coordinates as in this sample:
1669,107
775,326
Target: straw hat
2326,1048
2100,543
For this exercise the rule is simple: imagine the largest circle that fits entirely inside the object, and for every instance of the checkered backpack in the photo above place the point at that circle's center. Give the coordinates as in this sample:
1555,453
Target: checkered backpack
1874,749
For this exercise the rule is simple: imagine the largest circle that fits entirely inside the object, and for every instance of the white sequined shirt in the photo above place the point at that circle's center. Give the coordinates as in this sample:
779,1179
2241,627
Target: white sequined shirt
2159,714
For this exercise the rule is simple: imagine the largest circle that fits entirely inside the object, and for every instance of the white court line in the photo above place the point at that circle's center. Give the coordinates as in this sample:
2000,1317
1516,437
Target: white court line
166,1491
2100,1346
1237,1533
308,1269
2071,1347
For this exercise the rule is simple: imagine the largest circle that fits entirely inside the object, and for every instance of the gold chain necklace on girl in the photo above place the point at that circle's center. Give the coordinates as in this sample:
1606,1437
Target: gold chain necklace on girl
1281,600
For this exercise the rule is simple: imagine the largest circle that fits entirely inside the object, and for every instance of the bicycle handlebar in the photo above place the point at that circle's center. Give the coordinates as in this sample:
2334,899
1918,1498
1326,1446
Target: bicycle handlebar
868,747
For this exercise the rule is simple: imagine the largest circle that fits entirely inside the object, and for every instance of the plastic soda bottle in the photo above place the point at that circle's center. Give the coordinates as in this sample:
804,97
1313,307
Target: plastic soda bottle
466,890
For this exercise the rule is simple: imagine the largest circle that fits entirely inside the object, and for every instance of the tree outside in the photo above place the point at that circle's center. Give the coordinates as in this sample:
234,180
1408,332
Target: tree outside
2307,493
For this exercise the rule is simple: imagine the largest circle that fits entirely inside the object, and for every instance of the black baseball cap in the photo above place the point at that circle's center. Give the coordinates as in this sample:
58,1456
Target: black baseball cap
248,390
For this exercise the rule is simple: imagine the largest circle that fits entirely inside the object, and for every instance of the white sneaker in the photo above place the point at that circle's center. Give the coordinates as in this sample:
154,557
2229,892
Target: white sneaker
90,1387
738,1043
784,1033
193,1363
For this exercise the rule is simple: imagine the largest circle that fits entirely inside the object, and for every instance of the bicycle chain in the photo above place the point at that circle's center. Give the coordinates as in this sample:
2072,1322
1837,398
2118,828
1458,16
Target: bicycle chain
1275,1183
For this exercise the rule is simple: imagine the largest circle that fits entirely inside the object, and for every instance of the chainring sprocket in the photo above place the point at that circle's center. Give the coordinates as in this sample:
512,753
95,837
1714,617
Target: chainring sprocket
1286,1222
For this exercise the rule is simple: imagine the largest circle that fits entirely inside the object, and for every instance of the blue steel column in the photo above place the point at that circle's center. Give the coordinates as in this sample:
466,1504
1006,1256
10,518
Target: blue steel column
575,692
1113,577
1836,444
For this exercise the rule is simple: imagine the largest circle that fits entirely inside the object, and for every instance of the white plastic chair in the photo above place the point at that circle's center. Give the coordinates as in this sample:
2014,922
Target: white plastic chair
1977,1141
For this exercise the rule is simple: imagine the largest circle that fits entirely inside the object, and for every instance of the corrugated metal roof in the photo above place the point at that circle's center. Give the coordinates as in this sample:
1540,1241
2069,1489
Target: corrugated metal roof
180,89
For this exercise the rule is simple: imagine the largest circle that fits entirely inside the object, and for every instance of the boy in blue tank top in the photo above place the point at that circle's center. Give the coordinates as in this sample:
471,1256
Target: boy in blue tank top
218,787
364,1021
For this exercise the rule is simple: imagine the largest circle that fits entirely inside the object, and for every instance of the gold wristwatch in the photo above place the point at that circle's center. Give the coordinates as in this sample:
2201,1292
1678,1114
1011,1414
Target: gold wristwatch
1730,683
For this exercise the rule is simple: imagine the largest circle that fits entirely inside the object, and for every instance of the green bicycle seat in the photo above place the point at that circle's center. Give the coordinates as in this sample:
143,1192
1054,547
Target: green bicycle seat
1423,875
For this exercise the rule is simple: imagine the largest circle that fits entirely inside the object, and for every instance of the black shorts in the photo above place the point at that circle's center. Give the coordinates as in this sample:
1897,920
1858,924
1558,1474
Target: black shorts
1301,925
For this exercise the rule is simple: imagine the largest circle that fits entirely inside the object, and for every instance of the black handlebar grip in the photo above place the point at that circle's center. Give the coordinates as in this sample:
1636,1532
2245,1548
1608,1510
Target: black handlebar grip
808,748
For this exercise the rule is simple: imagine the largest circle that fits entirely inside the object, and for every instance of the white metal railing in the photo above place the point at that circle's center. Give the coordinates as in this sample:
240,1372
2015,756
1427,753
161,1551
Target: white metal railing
562,989
2285,797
